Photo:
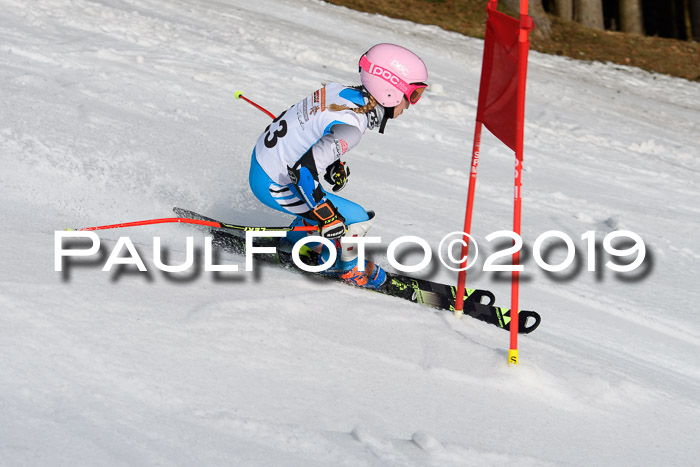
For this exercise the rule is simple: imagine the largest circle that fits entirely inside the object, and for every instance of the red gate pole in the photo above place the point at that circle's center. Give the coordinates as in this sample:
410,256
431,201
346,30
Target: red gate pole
523,49
462,278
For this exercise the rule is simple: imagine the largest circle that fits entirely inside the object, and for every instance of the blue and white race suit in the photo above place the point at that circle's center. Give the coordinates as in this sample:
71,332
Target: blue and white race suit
307,138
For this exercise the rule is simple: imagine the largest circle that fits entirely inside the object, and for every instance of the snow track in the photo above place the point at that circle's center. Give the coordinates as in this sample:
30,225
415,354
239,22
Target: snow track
117,110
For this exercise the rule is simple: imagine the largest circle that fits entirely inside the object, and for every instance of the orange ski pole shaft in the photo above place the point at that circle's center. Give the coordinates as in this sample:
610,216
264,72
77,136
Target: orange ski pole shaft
216,224
239,95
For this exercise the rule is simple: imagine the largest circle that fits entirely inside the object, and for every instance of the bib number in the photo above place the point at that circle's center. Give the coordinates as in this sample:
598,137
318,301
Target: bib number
272,136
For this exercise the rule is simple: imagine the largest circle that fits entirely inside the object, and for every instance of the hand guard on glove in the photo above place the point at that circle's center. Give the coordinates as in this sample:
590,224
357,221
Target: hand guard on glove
337,175
330,223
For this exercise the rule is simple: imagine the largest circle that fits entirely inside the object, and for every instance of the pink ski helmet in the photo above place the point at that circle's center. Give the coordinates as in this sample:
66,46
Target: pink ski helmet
390,72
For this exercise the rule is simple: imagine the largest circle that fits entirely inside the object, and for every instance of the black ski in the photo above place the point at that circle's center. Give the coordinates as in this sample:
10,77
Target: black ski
478,303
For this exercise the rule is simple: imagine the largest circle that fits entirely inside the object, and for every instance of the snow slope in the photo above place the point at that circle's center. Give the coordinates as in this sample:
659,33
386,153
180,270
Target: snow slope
118,110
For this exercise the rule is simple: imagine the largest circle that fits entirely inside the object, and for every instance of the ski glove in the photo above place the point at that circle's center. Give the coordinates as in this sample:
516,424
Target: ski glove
330,223
337,175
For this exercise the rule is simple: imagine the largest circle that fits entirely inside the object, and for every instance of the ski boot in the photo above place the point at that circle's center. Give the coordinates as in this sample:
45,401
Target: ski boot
371,278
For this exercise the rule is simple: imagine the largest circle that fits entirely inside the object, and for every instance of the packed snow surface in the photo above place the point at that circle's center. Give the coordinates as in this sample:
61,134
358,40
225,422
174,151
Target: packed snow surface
118,110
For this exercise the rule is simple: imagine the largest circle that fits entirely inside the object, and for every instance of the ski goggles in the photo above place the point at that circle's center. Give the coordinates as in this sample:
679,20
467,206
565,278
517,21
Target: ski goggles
412,91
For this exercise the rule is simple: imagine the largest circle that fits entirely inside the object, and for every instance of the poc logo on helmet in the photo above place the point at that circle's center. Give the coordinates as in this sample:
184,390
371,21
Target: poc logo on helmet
395,63
386,74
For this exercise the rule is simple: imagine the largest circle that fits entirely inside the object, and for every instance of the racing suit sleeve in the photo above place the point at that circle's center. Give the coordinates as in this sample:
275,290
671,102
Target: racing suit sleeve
326,151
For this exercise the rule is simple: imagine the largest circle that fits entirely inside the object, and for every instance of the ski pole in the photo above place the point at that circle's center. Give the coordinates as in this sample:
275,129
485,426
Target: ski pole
239,95
220,225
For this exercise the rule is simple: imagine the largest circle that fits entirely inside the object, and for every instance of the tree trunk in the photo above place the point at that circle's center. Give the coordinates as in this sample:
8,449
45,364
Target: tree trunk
679,26
543,25
565,9
631,16
589,13
694,11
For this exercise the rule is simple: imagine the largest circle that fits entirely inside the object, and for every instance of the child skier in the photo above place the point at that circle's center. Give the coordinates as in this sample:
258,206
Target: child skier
308,140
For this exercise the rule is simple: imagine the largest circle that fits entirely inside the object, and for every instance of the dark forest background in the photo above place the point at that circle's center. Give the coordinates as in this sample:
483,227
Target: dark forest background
661,36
